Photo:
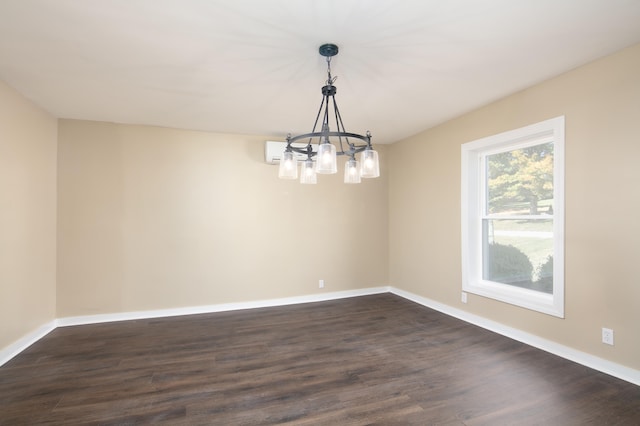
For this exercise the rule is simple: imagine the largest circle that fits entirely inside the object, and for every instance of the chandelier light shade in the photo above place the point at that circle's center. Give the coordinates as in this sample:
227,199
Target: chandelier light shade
332,139
370,165
288,166
351,171
326,160
308,172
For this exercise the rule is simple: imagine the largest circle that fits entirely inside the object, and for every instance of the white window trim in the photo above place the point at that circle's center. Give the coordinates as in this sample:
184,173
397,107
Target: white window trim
471,215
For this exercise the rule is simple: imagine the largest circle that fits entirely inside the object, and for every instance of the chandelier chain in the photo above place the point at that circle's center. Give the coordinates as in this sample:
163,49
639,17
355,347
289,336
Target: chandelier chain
330,79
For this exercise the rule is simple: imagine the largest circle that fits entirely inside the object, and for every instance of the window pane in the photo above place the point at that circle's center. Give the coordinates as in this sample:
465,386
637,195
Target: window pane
520,182
519,253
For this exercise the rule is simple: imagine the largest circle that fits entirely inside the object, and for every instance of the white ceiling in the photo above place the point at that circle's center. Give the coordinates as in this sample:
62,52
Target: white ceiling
252,66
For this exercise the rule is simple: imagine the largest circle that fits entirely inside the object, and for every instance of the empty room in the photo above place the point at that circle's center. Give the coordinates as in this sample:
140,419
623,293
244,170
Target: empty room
310,212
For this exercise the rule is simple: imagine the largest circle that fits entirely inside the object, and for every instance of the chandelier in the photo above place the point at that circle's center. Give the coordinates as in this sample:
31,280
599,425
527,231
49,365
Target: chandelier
326,142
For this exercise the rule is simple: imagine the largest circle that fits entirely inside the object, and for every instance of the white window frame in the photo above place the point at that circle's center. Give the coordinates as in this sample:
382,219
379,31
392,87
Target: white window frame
473,193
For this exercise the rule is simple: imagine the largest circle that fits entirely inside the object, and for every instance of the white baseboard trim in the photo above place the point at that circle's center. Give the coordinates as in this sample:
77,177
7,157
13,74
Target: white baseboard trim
608,367
613,369
7,353
223,307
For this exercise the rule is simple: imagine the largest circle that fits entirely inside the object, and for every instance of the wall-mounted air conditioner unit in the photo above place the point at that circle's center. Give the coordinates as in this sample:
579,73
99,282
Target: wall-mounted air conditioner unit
273,151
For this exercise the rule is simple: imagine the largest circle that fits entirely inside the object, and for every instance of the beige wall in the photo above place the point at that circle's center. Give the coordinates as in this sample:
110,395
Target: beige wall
27,216
601,103
154,218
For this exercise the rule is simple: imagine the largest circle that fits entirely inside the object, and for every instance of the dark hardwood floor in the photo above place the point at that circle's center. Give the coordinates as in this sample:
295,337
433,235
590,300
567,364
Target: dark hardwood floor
367,360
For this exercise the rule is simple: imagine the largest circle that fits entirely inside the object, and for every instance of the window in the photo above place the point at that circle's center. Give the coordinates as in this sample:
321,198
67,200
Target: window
513,217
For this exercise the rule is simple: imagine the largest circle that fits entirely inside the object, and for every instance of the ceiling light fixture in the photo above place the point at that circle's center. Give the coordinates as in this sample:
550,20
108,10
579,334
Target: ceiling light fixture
330,143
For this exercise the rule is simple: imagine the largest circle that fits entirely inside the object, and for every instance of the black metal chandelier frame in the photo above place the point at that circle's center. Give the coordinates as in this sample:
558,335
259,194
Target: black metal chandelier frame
328,99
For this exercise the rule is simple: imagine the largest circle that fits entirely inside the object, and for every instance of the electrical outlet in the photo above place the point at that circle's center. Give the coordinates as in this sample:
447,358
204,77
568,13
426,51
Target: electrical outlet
607,336
321,284
464,297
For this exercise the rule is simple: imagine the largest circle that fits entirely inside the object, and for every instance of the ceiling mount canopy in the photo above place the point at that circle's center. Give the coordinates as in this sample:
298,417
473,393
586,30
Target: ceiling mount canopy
328,50
328,139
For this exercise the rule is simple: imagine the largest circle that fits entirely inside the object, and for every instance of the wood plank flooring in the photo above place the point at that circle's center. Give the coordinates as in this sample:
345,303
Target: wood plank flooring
367,360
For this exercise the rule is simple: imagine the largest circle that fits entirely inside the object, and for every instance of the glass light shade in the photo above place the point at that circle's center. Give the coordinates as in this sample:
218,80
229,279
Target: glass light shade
308,172
326,162
370,164
351,172
288,166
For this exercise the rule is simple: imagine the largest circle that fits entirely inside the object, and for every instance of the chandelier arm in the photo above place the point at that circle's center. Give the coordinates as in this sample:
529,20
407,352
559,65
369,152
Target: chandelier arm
353,150
325,119
340,124
356,148
315,124
333,133
306,151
